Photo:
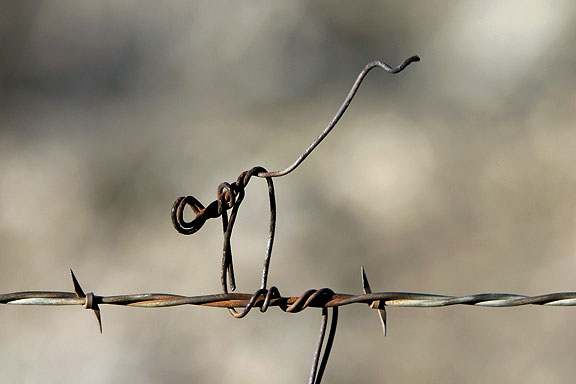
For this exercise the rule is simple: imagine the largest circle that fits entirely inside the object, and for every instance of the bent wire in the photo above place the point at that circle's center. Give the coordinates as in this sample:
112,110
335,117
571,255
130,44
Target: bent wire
231,195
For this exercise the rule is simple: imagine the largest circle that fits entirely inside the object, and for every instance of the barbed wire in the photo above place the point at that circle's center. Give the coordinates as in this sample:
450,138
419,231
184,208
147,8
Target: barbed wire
229,197
263,299
312,298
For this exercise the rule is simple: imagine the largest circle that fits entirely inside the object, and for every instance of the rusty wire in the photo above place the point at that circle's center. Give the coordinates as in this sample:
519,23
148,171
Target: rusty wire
230,197
312,298
263,299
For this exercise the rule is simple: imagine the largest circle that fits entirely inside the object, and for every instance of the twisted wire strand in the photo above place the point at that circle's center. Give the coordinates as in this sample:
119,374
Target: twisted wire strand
314,298
263,298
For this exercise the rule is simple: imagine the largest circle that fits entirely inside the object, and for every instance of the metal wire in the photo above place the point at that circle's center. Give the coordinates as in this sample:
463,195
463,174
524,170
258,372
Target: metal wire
265,298
292,304
230,197
340,113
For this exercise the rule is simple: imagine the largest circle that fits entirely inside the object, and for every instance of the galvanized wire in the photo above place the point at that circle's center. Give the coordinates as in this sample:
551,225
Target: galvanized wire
313,298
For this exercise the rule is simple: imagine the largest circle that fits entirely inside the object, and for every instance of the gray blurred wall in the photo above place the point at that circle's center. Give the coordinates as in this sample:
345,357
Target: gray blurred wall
457,176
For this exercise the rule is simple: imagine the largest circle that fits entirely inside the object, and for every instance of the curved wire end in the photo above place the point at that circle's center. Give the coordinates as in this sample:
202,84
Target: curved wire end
397,69
340,112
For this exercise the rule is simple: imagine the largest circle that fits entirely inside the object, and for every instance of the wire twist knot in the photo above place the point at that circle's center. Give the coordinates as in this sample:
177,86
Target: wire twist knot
231,195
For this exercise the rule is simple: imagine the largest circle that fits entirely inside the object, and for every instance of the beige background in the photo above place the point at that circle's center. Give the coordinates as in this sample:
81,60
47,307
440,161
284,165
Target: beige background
457,176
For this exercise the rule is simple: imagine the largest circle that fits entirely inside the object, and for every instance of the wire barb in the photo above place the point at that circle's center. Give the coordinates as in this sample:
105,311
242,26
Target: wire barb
376,304
90,300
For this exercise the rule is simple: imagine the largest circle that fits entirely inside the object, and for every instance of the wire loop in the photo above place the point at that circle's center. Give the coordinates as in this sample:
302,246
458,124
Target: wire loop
231,195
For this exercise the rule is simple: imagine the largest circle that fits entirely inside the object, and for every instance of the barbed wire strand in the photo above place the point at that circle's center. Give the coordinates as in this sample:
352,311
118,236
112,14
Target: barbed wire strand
229,197
313,298
242,300
324,298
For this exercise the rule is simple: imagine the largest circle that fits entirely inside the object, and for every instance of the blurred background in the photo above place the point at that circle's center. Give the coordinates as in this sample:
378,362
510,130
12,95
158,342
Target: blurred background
454,177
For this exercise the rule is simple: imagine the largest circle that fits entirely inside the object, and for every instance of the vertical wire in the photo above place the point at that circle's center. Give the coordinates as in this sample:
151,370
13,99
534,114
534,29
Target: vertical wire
329,343
271,232
323,324
225,251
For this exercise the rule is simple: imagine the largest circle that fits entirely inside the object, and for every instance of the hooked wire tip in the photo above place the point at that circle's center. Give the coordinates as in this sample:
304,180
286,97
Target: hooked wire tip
398,68
340,112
